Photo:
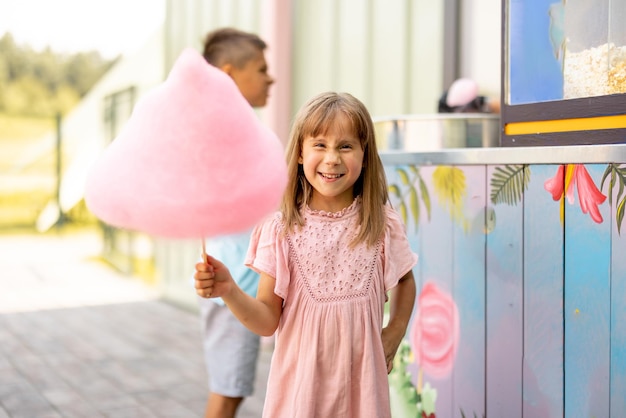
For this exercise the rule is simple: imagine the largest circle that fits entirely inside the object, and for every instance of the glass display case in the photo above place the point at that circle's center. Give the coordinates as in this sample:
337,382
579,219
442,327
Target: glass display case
564,61
566,49
593,46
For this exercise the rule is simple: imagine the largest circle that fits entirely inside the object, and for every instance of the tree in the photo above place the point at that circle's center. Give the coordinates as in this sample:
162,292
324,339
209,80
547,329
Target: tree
43,83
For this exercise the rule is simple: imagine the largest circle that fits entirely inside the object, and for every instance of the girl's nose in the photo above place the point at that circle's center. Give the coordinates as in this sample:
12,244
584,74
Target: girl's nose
332,157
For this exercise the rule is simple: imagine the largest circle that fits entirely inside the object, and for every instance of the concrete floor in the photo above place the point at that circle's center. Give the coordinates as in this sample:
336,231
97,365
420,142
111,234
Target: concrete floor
78,339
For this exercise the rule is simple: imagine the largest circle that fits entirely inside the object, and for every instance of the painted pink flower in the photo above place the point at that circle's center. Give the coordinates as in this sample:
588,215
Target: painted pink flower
434,334
577,175
556,184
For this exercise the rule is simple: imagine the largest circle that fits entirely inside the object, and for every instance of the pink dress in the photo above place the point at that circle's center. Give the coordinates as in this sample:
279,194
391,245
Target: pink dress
328,359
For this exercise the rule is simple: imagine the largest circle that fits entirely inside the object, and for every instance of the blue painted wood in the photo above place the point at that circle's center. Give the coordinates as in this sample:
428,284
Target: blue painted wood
403,378
437,252
587,307
618,312
504,311
542,312
469,249
468,263
543,298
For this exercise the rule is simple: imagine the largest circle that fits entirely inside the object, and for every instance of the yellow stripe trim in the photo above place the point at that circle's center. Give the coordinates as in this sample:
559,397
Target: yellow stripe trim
565,125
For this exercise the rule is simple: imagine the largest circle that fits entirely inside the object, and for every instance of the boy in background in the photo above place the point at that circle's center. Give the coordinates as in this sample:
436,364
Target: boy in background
230,349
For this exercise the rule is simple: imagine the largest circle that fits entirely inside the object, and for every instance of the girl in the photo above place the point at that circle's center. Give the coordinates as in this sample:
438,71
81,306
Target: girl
327,260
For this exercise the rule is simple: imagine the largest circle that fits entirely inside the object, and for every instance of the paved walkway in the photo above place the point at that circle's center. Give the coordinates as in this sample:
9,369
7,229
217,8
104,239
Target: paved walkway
78,339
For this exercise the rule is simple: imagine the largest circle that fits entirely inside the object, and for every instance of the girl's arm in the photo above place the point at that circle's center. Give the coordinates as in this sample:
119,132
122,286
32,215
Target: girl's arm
260,315
401,306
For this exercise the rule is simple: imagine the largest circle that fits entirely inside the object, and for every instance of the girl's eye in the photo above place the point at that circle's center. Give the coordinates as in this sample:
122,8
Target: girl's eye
346,146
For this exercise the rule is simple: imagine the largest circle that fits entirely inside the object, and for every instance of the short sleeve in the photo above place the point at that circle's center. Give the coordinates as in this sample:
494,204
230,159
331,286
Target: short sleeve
399,259
267,253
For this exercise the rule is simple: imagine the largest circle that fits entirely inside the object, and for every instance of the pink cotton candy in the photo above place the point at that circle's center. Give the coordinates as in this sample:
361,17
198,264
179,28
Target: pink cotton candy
192,161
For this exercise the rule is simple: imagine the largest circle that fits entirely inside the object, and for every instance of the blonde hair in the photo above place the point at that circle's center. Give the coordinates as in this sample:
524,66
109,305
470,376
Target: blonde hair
315,118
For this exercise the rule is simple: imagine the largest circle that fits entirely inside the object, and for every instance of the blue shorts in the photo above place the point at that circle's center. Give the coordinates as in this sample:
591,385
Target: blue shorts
230,351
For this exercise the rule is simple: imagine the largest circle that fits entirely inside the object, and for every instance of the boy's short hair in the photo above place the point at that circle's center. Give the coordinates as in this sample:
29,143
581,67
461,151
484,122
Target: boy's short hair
231,46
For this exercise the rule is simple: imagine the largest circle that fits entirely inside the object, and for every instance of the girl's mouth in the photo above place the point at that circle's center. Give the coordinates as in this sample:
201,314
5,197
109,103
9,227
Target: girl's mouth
330,176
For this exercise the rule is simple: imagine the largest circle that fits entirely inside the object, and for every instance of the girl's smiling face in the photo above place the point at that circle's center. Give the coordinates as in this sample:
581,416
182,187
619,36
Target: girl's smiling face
332,162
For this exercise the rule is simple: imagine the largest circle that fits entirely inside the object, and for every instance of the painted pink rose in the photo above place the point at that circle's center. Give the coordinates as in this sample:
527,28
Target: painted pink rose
434,334
589,196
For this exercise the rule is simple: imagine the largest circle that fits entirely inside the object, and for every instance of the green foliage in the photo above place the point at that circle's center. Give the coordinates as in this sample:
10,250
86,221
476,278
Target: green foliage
400,381
508,184
618,178
45,83
408,195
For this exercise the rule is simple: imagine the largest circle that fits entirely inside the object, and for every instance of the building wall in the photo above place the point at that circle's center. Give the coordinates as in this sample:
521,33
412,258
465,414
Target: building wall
384,52
388,53
85,131
480,43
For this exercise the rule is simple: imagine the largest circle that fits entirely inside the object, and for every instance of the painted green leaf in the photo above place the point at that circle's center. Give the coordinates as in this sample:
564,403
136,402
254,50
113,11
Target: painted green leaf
395,190
404,397
612,170
508,183
619,216
409,195
425,195
607,171
611,186
415,206
618,175
404,177
403,212
621,188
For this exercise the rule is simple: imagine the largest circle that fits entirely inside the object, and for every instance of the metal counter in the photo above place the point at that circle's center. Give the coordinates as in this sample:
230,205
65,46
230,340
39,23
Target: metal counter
473,139
573,154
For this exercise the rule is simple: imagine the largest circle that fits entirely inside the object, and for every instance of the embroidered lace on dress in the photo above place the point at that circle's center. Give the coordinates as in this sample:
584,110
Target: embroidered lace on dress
329,267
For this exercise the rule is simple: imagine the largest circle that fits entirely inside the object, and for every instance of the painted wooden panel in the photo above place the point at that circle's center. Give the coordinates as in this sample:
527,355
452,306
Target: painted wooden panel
468,290
618,296
543,297
436,286
422,377
587,295
504,302
441,367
